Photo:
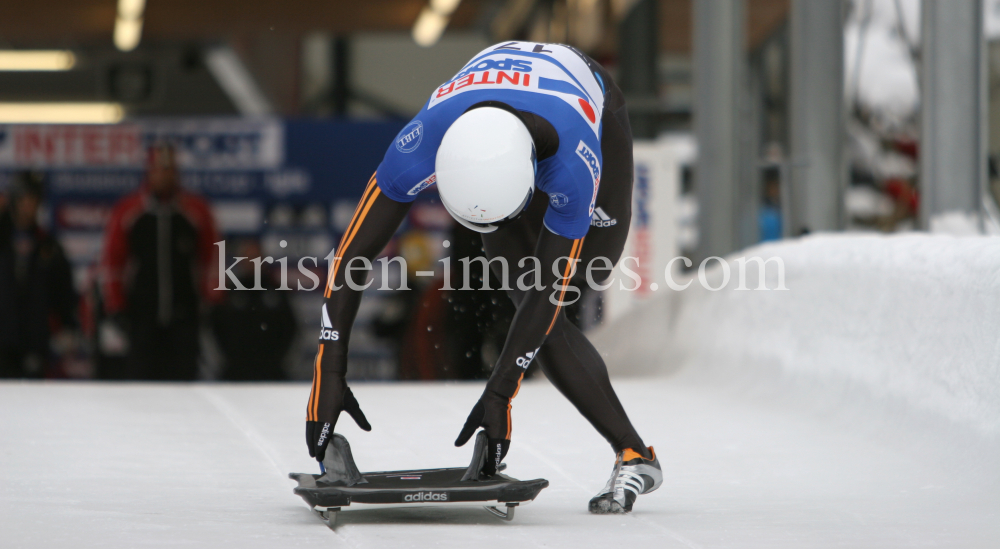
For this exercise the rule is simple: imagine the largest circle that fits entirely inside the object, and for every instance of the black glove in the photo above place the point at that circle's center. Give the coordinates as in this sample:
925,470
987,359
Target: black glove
491,414
318,433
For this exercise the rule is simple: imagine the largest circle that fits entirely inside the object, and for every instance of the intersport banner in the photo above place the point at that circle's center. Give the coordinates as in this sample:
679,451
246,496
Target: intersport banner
219,157
202,144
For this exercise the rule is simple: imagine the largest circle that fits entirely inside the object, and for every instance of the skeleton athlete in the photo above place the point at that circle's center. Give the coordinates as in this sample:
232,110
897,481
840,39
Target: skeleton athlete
530,145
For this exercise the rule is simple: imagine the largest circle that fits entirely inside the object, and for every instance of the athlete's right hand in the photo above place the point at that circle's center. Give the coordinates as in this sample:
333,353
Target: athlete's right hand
334,397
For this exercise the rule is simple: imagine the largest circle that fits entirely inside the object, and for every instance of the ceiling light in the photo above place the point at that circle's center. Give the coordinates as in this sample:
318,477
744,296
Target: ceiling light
36,60
128,24
131,10
445,7
127,33
429,26
61,113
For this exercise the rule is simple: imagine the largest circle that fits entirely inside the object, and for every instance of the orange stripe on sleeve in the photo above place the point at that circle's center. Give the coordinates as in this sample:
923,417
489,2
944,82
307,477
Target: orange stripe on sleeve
574,254
510,400
313,393
318,378
345,241
354,219
359,213
337,261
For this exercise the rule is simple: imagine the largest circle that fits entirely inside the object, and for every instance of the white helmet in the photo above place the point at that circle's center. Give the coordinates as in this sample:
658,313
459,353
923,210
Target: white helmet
485,168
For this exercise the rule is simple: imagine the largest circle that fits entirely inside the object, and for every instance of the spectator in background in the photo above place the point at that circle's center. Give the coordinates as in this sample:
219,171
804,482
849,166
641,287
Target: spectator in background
769,214
905,201
37,297
255,329
158,270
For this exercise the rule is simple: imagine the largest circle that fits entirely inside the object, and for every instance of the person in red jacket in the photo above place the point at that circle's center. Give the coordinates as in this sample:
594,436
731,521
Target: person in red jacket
159,267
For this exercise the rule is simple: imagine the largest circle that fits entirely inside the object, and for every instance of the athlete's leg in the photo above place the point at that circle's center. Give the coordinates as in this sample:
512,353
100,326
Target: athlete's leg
575,367
568,358
572,363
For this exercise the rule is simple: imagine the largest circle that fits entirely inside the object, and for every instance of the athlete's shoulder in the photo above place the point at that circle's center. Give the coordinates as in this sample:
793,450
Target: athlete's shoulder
408,165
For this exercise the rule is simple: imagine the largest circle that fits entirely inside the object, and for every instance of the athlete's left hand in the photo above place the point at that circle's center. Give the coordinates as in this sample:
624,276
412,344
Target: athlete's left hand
336,397
492,413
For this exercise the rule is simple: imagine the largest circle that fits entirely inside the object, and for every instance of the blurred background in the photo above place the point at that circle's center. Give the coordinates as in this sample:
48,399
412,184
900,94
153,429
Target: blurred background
262,121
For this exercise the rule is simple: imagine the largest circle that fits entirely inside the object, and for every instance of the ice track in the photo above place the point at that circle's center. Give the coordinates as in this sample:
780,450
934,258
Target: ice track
133,465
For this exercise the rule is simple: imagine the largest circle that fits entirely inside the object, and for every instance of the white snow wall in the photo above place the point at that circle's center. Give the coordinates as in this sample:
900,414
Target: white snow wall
914,318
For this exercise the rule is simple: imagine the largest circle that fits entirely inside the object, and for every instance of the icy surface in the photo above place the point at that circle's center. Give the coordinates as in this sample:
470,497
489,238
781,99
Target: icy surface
746,465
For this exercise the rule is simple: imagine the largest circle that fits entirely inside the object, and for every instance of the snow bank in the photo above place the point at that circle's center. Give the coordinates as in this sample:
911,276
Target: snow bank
912,318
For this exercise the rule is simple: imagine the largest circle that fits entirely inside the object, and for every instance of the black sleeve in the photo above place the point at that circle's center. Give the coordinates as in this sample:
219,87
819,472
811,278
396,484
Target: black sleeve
537,311
375,221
